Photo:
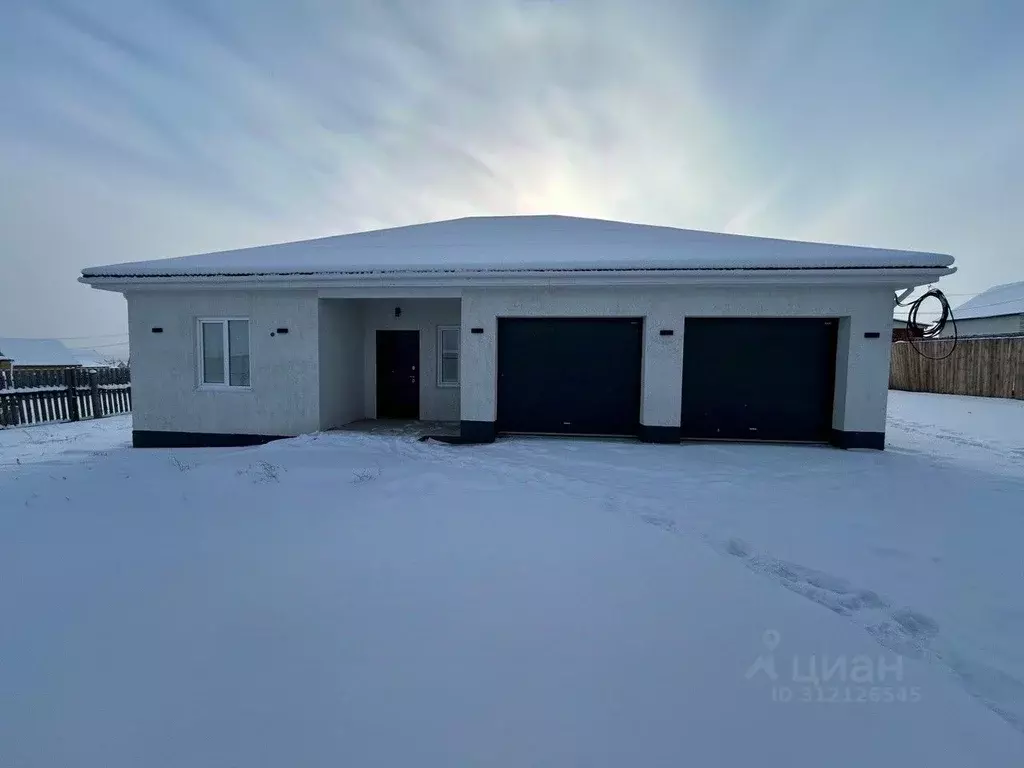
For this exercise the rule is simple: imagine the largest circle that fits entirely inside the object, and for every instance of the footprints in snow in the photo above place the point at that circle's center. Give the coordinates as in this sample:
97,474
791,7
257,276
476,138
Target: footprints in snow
902,630
834,593
657,521
952,437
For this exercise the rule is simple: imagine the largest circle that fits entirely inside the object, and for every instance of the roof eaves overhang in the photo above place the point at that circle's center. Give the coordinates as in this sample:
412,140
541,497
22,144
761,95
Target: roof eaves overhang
897,276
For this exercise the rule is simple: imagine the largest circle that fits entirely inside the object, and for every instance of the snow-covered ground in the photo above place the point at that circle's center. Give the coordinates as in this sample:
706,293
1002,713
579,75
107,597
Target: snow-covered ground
63,442
982,432
348,599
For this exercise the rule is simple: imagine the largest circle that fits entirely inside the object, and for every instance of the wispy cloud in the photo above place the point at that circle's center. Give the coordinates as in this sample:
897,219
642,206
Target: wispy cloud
146,128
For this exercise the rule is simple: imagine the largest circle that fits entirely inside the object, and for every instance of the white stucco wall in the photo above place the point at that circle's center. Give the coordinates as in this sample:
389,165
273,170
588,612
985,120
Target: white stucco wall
862,364
423,315
319,375
322,373
341,362
986,326
283,398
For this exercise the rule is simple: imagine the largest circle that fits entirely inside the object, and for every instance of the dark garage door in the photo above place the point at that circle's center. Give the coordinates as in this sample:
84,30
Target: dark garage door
758,378
569,375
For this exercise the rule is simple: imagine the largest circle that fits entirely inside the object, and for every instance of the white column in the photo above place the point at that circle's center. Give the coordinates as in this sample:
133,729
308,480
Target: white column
478,361
862,372
662,369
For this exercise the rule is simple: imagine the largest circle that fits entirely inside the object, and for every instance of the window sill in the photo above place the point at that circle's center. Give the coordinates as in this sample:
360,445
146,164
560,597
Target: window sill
222,388
447,385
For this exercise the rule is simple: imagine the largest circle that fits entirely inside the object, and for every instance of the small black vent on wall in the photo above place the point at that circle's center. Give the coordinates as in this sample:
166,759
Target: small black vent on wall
666,332
476,330
872,335
157,330
282,330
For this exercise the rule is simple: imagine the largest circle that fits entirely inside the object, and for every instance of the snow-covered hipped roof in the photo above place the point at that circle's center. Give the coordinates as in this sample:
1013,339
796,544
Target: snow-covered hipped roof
999,300
36,352
523,243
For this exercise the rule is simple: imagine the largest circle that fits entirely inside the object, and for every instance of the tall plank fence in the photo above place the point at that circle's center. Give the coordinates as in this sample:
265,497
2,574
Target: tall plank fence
984,367
33,397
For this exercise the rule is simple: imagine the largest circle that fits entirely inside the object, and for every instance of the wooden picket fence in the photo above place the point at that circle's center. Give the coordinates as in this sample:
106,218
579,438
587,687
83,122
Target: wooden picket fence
984,367
33,397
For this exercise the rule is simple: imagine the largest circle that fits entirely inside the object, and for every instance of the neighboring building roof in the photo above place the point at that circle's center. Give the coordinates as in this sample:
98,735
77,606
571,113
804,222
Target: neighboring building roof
90,358
37,352
995,302
901,322
523,243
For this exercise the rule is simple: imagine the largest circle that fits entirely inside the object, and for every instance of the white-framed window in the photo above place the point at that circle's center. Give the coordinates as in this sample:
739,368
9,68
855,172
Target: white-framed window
448,356
223,352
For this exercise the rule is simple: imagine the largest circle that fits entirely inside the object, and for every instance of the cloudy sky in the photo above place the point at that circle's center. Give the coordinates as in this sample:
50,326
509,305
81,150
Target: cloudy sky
136,129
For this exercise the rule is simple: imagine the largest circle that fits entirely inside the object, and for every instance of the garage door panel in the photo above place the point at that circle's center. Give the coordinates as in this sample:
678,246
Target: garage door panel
569,375
758,378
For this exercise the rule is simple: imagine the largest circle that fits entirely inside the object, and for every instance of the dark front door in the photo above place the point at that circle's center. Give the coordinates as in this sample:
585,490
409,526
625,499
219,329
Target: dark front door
398,374
569,375
758,378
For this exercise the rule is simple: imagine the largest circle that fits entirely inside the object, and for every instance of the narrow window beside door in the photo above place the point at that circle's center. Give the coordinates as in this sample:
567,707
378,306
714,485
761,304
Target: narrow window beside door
448,356
224,352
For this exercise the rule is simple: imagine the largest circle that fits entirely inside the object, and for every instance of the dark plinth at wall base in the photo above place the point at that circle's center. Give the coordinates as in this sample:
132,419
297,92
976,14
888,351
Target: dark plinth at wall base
476,432
144,438
649,434
873,440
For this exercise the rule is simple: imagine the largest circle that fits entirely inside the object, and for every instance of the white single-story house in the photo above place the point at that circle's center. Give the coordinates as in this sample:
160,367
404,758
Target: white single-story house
521,324
999,311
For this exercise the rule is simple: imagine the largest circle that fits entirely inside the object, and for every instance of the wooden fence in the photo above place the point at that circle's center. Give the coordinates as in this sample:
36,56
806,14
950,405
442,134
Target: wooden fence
985,367
32,397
